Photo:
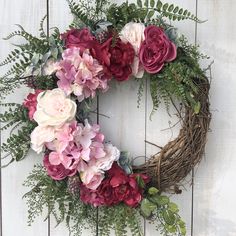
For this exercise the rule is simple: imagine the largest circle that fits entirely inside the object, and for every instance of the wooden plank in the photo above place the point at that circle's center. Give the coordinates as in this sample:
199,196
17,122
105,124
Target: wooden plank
14,210
158,129
214,194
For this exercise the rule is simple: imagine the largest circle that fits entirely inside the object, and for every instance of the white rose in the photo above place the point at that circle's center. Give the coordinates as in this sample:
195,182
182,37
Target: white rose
54,108
134,34
40,136
112,154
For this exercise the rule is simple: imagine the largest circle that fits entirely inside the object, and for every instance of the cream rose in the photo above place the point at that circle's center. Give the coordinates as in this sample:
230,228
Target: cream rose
134,34
40,136
54,108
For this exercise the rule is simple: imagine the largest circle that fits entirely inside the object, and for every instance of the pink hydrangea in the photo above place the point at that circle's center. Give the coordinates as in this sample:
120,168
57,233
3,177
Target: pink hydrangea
80,147
80,73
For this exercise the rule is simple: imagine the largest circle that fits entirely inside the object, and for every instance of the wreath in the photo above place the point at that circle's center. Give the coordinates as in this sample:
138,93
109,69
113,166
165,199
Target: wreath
82,177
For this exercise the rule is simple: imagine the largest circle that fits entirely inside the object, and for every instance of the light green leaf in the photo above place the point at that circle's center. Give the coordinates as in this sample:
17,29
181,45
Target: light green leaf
173,207
197,108
147,207
153,191
168,217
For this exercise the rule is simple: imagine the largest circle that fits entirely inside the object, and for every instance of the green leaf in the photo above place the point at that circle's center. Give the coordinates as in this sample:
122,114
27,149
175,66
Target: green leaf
181,11
173,207
159,5
150,14
171,8
153,191
169,217
185,12
165,6
147,207
140,181
152,3
176,9
197,108
159,200
139,3
146,3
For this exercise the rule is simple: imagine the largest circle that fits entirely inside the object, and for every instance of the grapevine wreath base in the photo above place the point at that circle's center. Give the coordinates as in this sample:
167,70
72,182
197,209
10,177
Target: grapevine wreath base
178,157
83,180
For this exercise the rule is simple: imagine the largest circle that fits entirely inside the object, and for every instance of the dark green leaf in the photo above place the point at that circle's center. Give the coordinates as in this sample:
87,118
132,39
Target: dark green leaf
165,6
152,3
171,8
150,14
159,5
139,3
176,9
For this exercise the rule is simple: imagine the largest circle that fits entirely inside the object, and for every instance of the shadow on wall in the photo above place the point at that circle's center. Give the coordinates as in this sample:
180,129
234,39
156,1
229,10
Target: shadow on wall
216,226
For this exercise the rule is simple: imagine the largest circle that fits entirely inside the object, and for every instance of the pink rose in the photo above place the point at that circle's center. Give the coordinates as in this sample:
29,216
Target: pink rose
31,103
77,38
156,49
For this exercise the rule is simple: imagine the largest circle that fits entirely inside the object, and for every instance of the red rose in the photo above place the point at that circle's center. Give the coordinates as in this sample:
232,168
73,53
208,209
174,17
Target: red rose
121,56
31,103
78,38
57,172
156,49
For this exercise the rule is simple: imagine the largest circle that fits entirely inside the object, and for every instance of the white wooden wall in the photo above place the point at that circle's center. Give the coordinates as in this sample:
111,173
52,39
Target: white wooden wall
208,206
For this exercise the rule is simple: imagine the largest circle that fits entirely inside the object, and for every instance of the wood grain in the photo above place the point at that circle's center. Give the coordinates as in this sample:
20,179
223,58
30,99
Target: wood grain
14,210
214,193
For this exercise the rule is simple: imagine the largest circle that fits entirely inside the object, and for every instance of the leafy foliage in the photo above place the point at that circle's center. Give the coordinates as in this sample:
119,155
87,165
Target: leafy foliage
156,206
176,80
52,196
18,144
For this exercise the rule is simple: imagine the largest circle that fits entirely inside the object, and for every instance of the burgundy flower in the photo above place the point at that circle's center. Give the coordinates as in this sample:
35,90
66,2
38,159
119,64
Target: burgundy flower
78,38
31,103
57,172
116,188
121,58
156,49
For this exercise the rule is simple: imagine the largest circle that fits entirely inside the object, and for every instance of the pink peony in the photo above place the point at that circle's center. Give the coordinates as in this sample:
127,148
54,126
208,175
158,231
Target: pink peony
31,103
156,49
57,172
80,74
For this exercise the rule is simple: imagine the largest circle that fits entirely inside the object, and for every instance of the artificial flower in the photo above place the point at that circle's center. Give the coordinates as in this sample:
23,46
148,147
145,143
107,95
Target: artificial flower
54,108
156,49
80,74
77,38
57,172
31,103
40,136
134,34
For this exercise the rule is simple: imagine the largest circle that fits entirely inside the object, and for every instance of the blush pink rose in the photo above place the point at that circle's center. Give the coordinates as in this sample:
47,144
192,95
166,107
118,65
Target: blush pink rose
156,49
